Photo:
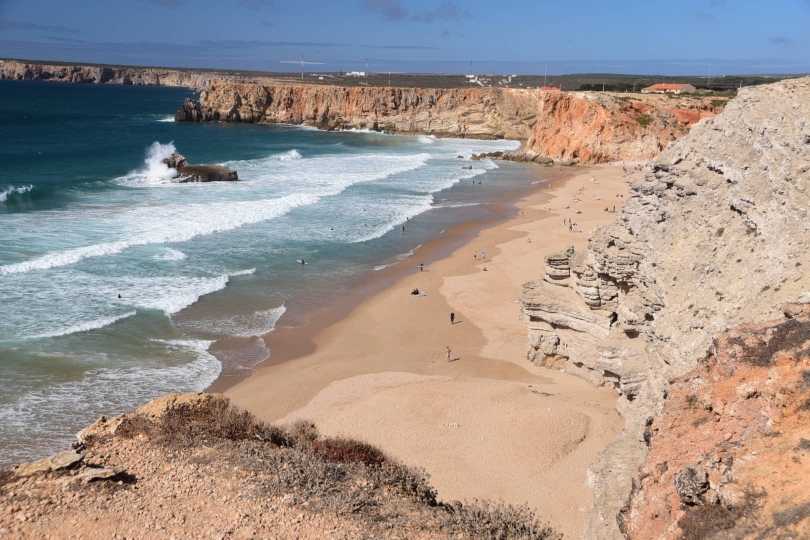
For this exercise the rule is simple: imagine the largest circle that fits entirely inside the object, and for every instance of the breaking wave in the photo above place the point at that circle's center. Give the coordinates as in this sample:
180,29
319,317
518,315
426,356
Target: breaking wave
9,192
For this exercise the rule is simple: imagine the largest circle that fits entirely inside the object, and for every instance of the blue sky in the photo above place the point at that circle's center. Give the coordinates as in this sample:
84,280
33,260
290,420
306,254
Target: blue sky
509,36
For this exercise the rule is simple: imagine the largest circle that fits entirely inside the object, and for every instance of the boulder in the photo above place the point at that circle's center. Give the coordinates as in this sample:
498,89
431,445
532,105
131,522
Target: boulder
467,167
189,111
63,460
199,173
98,474
690,484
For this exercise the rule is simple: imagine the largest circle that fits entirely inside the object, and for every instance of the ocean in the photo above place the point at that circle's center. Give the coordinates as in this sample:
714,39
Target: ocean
88,212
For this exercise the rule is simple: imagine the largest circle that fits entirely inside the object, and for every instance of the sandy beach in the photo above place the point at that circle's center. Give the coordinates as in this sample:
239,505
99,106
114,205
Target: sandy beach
487,423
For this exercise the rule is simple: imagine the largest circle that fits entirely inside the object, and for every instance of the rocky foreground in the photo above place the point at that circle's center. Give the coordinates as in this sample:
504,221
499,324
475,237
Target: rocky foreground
716,237
587,127
193,466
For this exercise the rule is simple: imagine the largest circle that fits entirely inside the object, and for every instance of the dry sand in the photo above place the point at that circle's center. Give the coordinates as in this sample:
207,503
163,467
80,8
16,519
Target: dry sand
487,424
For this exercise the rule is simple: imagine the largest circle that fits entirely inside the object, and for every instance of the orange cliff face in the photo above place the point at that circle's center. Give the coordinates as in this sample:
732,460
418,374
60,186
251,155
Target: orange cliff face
728,454
589,127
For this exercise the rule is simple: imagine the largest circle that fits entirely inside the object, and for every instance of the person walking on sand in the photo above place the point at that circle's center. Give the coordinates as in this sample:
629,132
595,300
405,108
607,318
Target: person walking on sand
452,318
447,353
484,256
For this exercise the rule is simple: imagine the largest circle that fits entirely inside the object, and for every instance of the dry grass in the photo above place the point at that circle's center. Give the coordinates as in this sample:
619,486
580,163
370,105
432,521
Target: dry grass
327,475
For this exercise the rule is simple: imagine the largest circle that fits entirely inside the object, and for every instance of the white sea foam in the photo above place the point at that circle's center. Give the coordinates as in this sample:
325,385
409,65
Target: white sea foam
43,414
253,324
84,327
428,139
170,254
4,195
153,171
179,223
289,156
247,272
166,119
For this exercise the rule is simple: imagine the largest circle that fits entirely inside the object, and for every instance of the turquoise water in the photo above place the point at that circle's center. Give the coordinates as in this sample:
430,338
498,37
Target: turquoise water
88,212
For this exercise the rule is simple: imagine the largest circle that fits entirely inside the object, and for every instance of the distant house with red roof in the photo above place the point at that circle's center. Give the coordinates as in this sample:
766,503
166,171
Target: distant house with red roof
662,88
549,89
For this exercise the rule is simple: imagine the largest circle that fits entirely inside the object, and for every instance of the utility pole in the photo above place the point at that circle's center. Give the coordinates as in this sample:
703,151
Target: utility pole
299,62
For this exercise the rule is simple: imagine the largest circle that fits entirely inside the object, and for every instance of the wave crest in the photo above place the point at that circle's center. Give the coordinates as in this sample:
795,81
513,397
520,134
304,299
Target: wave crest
8,192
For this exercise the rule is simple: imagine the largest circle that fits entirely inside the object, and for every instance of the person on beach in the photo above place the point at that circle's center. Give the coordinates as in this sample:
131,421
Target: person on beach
403,228
452,318
475,255
447,353
421,267
303,261
119,296
484,256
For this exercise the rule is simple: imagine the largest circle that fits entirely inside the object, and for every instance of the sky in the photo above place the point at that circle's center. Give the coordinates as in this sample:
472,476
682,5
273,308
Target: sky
668,37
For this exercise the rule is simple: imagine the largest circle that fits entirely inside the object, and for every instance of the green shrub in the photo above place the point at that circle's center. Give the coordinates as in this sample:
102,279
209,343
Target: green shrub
720,231
644,120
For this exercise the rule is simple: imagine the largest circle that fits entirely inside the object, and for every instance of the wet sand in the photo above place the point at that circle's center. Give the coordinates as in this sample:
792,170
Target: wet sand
488,423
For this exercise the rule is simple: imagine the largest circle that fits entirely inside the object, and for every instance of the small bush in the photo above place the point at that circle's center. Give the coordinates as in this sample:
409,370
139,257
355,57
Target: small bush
704,522
720,231
766,288
339,450
644,120
188,425
490,521
700,421
6,477
302,434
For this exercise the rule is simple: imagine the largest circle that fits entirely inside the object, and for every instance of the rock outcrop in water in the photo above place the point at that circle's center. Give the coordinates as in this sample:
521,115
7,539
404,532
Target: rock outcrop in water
199,173
128,76
558,125
716,237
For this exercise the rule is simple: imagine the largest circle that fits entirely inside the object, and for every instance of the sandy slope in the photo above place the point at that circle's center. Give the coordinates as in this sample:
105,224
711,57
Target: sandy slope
487,424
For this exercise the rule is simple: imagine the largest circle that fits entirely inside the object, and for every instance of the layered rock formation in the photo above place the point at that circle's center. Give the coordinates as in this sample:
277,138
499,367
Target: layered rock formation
571,126
199,173
32,71
717,236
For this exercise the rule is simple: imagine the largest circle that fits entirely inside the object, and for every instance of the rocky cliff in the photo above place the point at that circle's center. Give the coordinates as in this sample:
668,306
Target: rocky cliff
25,71
717,236
728,454
584,126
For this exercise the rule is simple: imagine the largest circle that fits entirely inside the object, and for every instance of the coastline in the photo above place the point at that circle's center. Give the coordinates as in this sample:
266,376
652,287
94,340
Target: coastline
290,340
378,373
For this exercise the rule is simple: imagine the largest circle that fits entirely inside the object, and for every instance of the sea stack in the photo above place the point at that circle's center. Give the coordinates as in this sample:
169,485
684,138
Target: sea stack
199,173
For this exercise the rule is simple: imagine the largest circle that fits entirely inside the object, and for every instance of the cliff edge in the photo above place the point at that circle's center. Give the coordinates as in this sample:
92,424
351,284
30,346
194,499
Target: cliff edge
194,466
589,127
15,70
715,237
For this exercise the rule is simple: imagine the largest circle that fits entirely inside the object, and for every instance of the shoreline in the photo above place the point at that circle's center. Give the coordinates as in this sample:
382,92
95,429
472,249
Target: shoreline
379,373
289,342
